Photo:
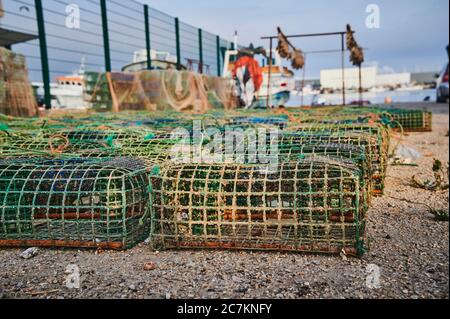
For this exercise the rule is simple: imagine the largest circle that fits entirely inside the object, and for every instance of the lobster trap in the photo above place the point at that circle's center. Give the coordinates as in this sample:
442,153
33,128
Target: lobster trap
382,133
374,151
411,120
105,136
312,205
292,149
280,122
408,120
55,146
352,154
157,150
74,203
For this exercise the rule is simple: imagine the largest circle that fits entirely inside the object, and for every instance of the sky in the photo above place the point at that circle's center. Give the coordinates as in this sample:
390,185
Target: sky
412,34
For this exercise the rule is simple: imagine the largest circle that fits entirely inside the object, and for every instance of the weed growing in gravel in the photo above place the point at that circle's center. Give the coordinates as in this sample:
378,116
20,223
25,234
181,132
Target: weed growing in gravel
441,178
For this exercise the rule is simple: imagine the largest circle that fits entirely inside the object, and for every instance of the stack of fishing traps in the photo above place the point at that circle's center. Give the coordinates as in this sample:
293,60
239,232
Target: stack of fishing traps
75,182
315,199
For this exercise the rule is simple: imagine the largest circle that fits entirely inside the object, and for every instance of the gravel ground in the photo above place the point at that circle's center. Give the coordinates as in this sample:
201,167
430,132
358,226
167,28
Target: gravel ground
407,245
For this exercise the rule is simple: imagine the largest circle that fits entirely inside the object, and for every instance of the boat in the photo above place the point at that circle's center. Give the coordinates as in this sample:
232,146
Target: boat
408,88
160,60
307,90
282,82
67,91
377,89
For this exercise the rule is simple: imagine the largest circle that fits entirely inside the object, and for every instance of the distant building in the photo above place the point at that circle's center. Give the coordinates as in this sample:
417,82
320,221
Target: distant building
370,77
314,83
426,78
392,79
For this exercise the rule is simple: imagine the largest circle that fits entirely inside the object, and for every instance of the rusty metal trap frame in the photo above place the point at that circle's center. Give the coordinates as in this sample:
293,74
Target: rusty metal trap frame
306,206
85,203
374,153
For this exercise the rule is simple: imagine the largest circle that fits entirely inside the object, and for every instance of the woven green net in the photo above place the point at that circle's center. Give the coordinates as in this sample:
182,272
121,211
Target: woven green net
311,205
373,150
74,203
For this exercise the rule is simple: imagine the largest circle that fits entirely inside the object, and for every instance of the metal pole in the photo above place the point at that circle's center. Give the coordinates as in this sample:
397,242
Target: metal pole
44,54
360,88
105,36
147,37
303,80
200,49
177,40
343,68
306,35
269,97
218,55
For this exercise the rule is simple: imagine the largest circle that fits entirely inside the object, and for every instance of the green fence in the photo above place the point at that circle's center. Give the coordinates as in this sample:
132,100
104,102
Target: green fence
105,35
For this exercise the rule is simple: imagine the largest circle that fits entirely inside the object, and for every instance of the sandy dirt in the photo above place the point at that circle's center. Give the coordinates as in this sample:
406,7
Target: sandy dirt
408,249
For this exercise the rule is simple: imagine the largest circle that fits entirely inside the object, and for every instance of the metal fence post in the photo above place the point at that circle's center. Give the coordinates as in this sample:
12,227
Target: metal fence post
200,49
147,37
343,68
44,54
218,55
105,36
177,39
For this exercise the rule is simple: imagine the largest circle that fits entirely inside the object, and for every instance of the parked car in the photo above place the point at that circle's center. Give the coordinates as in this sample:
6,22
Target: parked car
442,95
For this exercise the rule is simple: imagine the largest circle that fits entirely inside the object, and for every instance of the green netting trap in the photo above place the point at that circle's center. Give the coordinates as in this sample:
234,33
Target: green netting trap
104,135
152,151
382,133
353,154
374,152
74,203
411,120
55,146
313,205
290,148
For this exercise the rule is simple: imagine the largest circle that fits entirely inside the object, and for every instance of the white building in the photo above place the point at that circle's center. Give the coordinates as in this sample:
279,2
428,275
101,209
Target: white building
370,77
393,79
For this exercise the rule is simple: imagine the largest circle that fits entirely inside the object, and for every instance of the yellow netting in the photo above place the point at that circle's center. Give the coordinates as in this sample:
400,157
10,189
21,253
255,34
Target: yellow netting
182,91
